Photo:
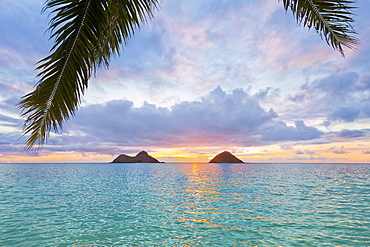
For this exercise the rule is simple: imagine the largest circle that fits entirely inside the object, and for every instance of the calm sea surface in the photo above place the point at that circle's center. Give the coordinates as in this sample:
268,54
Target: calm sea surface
184,204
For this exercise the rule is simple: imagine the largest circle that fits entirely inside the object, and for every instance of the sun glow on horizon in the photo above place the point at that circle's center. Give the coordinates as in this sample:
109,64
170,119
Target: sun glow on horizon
351,152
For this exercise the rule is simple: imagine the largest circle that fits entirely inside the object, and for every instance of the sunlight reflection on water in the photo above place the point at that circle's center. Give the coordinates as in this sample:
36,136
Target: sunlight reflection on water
184,204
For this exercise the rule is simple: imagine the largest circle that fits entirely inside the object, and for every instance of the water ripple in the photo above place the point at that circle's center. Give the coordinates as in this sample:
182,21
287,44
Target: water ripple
184,204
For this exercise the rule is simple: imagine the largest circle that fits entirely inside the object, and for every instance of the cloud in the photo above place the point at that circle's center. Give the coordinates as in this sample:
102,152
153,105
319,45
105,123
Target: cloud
9,120
296,98
338,151
220,118
351,133
337,98
309,152
346,114
303,158
299,152
338,85
23,24
267,93
279,131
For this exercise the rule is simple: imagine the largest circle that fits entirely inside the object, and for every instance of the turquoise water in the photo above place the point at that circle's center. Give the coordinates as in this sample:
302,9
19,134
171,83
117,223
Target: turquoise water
184,204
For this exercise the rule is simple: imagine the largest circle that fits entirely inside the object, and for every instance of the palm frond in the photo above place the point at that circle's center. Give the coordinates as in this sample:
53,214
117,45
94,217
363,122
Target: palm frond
86,33
332,19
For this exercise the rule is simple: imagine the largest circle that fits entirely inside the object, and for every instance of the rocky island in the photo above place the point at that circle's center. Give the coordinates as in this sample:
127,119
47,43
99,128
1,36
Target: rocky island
225,157
142,157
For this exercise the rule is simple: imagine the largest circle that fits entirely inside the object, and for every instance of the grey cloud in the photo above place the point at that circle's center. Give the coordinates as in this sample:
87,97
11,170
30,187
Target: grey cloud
340,97
309,152
338,151
351,133
6,88
312,158
11,141
151,42
286,147
347,114
296,98
269,92
222,113
364,83
9,120
219,118
279,131
305,152
338,84
17,31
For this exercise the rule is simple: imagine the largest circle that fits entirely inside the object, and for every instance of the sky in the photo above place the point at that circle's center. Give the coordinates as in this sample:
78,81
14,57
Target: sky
199,78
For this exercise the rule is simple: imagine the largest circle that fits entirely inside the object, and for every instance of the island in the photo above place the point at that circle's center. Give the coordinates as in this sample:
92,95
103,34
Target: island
142,157
225,157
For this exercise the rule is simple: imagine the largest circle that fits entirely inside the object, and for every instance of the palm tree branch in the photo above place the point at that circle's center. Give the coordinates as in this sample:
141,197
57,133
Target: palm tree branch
330,18
49,109
87,33
61,74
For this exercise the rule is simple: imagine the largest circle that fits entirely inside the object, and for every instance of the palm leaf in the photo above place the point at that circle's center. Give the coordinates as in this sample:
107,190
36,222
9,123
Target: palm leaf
87,33
330,18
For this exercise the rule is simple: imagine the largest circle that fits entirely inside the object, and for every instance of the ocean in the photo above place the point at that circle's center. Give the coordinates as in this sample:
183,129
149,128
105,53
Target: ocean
189,204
